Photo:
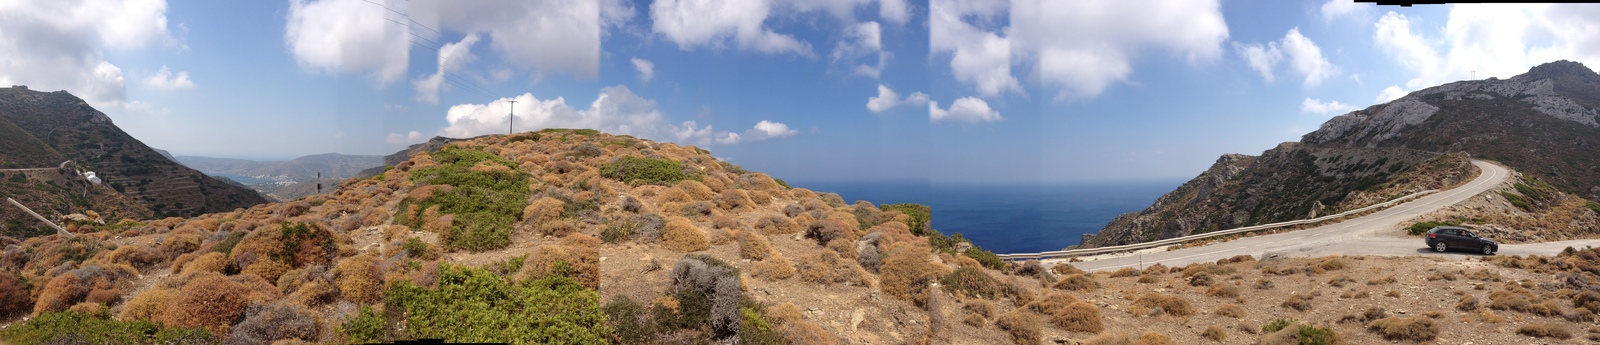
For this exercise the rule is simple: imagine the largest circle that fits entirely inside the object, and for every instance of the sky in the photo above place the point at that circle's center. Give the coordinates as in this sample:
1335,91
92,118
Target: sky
820,90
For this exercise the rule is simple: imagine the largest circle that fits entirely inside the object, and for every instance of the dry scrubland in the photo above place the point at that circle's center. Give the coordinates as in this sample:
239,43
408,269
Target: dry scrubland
574,236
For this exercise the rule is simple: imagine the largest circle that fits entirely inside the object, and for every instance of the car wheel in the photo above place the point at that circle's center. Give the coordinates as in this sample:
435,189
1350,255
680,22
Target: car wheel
1439,247
1487,250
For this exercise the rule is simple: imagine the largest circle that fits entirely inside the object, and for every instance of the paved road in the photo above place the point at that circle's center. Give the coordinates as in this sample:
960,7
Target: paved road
1367,235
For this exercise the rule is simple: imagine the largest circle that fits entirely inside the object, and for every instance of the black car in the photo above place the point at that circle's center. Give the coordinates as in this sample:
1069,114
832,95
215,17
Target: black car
1445,237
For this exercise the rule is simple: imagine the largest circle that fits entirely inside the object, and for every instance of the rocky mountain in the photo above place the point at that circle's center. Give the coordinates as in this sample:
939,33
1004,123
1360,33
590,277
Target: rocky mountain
1543,123
45,129
330,165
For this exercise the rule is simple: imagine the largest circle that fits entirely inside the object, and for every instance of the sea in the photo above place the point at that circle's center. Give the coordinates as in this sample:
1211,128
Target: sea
1010,217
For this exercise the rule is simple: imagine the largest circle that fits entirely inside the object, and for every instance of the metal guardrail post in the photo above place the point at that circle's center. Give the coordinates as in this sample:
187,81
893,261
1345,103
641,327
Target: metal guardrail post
41,218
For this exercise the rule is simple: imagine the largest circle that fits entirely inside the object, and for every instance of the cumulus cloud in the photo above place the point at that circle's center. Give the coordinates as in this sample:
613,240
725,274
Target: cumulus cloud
453,56
1489,40
888,99
965,109
979,57
61,45
1335,9
405,139
693,23
1303,56
863,40
647,69
1105,36
763,131
894,11
1393,92
616,110
347,36
1315,106
165,80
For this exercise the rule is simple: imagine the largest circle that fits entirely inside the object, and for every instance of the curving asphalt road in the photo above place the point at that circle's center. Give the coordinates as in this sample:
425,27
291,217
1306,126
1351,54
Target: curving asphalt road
1360,236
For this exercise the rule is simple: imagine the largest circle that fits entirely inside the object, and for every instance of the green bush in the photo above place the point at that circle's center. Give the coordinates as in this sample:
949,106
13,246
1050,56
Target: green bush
971,282
585,131
646,170
629,320
365,327
473,305
754,327
919,216
1276,325
1594,206
1422,227
1517,200
985,257
1308,335
781,182
485,203
227,244
81,328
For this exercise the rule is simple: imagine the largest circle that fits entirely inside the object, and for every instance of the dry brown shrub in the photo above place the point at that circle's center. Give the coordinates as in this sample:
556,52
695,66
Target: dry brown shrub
1123,272
104,293
1156,269
60,293
14,297
146,305
1523,301
209,300
1153,338
1215,333
733,199
557,228
776,225
1330,264
1052,303
1077,282
827,230
722,236
802,193
805,332
1147,279
209,262
1411,328
1169,304
759,181
543,210
672,195
974,320
683,236
980,307
1300,302
579,254
88,308
1079,317
773,268
1467,303
724,222
293,209
826,267
1545,330
358,279
1223,290
783,313
696,190
905,266
315,293
845,247
1023,327
1114,338
1241,258
760,197
754,246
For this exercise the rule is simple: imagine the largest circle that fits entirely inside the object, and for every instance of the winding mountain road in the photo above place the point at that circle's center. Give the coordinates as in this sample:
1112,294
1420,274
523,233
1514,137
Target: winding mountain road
1366,235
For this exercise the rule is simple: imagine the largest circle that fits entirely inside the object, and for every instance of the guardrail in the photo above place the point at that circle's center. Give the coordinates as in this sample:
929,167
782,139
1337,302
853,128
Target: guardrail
1175,240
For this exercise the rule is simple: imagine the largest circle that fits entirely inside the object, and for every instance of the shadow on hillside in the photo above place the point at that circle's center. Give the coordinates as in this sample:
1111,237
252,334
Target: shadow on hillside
1426,250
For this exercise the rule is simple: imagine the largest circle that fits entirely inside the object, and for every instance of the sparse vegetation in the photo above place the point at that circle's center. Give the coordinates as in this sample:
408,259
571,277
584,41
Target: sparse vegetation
659,171
1545,330
486,195
1411,328
81,328
553,310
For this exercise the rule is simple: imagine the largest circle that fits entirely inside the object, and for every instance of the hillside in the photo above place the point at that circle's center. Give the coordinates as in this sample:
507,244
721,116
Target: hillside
1543,123
580,237
330,165
43,129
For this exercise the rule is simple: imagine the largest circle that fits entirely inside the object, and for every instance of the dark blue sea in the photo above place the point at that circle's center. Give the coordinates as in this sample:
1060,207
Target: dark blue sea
1010,218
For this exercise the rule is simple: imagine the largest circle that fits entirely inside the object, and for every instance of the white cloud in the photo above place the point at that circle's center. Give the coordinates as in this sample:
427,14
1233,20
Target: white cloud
979,58
1084,46
1303,56
694,23
862,40
1335,9
894,11
405,139
61,45
965,109
1489,40
647,69
616,110
165,80
543,36
453,56
347,36
1393,92
1315,106
763,131
888,99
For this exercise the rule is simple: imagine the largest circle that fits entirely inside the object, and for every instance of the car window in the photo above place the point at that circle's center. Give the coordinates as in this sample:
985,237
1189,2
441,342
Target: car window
1449,232
1468,233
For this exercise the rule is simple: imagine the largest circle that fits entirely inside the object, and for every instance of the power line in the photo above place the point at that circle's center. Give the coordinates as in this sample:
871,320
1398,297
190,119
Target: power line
452,78
406,16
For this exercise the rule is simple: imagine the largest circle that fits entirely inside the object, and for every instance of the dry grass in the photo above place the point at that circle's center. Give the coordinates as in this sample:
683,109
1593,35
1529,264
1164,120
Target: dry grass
826,267
146,305
1223,291
773,268
358,279
905,266
1230,310
1124,272
1115,338
1299,302
1069,269
1155,303
1077,282
1411,328
59,294
682,236
1467,303
1023,327
1545,330
754,246
1079,317
1153,338
1214,333
208,262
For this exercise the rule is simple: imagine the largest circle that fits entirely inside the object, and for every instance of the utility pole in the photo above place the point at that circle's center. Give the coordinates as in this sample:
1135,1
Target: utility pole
513,117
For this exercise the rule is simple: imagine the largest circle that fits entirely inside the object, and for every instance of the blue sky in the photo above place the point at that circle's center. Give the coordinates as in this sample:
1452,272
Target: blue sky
983,91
